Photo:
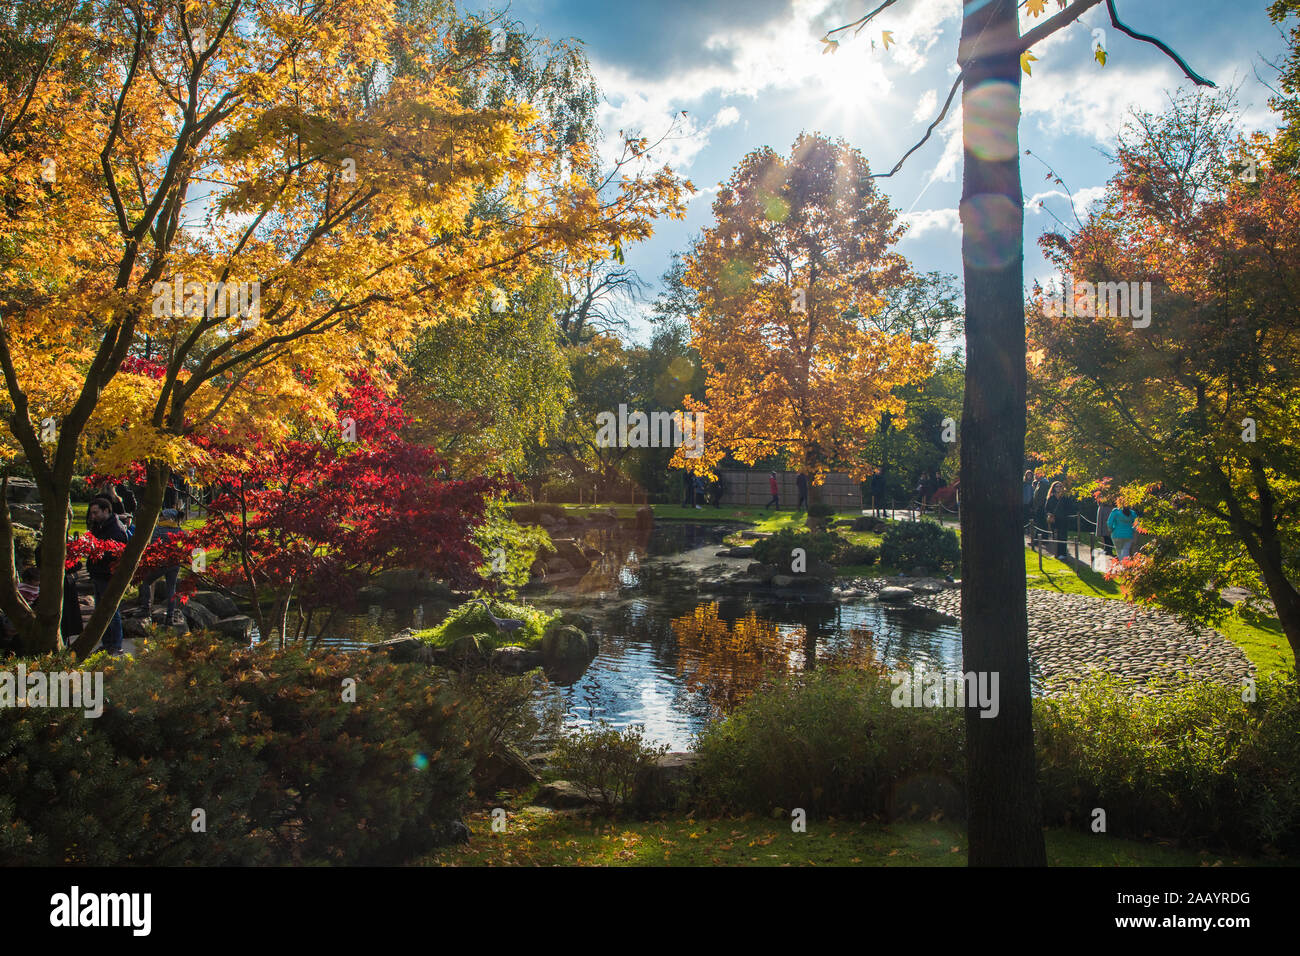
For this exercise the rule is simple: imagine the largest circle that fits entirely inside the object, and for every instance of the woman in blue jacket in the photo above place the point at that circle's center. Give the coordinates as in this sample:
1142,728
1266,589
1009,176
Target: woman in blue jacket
1120,521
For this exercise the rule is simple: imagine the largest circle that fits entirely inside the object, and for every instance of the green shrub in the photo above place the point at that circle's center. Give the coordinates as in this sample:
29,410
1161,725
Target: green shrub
819,545
472,618
604,762
261,740
509,548
821,510
907,544
1197,764
831,743
855,554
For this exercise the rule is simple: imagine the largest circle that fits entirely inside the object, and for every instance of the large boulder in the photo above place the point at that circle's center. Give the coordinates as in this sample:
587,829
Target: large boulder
584,622
503,769
238,626
31,515
763,572
20,490
469,648
219,604
557,565
563,795
666,784
198,617
895,595
516,660
564,643
570,552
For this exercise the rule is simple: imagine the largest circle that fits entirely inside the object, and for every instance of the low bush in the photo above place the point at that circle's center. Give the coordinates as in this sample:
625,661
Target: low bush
1197,764
604,761
472,618
831,743
849,553
821,510
908,544
264,742
819,546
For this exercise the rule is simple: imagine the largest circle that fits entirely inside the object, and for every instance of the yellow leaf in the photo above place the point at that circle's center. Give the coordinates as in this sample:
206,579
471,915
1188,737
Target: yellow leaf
1035,7
1100,54
888,37
1025,59
831,45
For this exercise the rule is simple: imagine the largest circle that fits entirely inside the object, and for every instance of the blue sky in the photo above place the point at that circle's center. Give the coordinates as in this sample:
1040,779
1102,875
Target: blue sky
751,73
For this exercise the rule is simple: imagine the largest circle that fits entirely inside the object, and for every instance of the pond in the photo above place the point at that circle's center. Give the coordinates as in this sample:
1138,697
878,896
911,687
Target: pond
679,646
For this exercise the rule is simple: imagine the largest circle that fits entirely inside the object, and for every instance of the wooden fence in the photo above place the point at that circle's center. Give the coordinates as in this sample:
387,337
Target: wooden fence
750,488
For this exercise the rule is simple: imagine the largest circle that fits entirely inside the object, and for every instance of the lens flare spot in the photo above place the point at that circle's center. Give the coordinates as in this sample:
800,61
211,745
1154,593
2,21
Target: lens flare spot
420,762
991,231
992,113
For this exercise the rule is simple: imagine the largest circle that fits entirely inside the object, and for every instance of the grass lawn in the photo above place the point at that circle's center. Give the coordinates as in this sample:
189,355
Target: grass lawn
544,839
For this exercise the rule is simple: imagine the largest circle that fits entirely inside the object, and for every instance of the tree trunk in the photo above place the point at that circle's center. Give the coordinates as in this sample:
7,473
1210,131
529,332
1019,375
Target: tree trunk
1004,813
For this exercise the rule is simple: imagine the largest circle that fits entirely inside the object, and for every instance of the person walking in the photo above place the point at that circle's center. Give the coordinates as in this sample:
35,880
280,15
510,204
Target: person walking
1027,500
688,498
878,494
106,526
1120,522
1104,507
168,526
801,486
700,492
774,501
1057,508
1041,487
718,490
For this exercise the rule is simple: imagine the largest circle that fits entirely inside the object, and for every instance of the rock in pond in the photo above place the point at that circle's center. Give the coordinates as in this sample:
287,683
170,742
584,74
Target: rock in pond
566,644
895,595
515,660
219,604
238,626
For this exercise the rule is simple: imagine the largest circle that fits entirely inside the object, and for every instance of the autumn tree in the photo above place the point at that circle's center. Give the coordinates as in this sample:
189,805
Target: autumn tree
310,518
236,186
787,279
1201,394
1004,816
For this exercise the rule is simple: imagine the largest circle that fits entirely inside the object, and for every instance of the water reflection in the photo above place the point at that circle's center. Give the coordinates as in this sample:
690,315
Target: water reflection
678,645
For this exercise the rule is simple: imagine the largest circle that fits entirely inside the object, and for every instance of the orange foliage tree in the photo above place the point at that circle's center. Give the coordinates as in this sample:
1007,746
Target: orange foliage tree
787,278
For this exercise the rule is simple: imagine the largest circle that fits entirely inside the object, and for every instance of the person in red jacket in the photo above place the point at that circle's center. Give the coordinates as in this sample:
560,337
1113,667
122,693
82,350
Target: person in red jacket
774,502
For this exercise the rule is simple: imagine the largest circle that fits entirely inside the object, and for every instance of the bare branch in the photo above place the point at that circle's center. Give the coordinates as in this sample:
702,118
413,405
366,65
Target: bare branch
956,85
1187,70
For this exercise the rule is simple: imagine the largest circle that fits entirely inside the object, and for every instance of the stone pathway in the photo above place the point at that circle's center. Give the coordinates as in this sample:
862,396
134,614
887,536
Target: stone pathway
1071,634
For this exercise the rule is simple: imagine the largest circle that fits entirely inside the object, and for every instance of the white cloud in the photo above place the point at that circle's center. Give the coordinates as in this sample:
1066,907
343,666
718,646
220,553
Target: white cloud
931,220
726,116
925,107
1083,198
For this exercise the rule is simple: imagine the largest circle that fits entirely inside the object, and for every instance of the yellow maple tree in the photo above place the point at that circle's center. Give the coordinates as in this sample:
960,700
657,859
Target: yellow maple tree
255,200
